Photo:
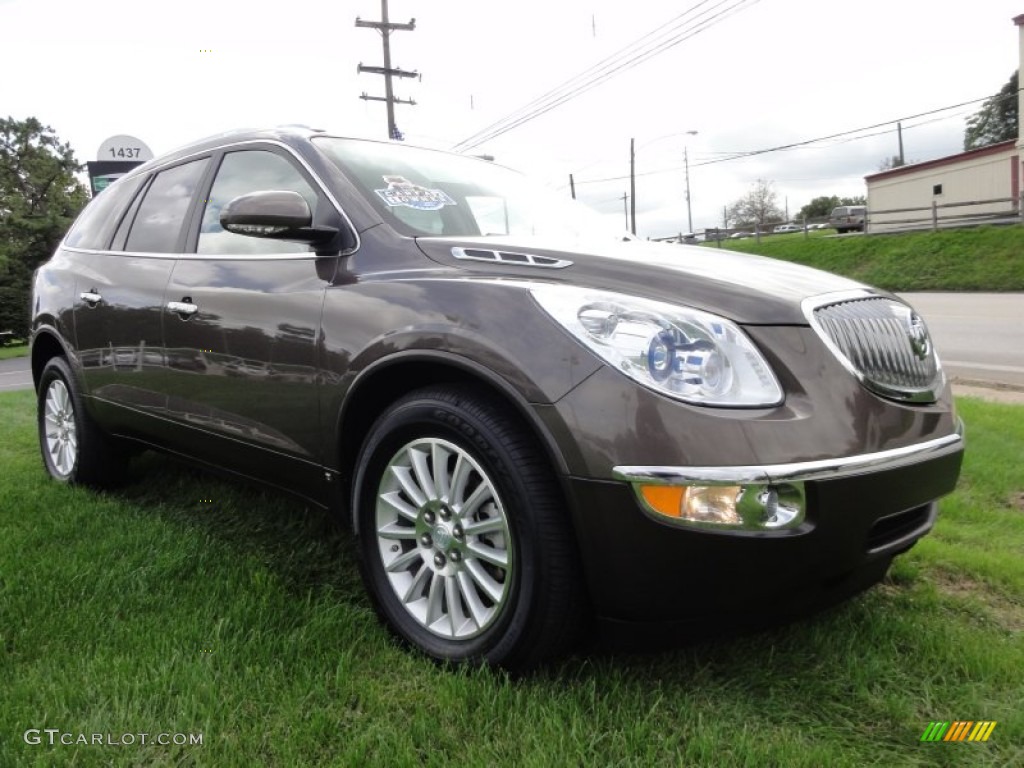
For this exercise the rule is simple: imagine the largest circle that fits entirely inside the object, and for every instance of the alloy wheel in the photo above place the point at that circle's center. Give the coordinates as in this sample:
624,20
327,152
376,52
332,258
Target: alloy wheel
443,538
60,429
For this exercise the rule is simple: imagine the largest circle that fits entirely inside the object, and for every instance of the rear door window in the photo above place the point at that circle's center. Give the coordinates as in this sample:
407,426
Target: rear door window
158,222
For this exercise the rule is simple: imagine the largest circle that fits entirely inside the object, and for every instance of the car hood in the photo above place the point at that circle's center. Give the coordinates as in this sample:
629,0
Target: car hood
747,289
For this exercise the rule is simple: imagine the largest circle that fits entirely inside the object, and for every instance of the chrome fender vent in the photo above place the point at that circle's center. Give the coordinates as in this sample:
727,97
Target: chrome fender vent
882,341
509,257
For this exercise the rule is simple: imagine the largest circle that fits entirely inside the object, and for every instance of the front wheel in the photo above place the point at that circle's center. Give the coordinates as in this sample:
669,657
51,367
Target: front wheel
75,450
463,538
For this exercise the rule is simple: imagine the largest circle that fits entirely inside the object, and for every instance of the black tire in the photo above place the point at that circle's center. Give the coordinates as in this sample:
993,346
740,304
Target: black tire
541,604
74,449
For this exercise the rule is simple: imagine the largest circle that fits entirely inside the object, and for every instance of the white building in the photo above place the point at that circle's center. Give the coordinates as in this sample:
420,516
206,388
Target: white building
980,182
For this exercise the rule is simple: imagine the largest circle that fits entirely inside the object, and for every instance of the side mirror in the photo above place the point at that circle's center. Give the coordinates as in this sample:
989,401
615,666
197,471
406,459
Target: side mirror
277,214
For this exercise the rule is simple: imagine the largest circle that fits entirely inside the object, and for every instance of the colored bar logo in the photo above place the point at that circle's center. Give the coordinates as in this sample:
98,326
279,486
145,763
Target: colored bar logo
959,730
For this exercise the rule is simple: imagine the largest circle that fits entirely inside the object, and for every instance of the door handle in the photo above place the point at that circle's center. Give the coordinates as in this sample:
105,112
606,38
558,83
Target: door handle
184,309
91,297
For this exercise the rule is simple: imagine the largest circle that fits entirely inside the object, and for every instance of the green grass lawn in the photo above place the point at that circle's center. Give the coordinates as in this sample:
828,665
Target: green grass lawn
188,604
972,259
19,350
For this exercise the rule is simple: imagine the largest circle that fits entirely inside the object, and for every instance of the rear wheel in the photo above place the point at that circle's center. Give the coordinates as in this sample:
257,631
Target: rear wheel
463,538
75,450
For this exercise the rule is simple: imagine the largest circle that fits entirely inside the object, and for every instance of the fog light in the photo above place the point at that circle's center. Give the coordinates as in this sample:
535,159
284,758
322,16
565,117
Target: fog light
754,507
712,504
696,503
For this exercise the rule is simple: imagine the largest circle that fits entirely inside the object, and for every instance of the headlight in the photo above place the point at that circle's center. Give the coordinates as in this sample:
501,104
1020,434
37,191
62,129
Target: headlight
684,353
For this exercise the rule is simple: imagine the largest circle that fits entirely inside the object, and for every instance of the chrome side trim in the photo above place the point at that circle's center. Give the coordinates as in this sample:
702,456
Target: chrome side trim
804,471
509,258
291,256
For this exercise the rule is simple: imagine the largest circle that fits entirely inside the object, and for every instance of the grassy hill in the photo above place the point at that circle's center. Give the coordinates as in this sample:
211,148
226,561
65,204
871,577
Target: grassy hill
977,259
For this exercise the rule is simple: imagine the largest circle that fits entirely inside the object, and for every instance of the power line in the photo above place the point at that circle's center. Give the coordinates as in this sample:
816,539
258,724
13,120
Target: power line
602,76
578,78
666,36
795,144
802,144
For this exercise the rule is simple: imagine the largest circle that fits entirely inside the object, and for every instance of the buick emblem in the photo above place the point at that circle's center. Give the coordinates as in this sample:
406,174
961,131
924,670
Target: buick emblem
442,536
920,343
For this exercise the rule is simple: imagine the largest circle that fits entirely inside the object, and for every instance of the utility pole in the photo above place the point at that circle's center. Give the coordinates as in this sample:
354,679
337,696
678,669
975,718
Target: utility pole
386,27
572,186
899,132
689,213
632,185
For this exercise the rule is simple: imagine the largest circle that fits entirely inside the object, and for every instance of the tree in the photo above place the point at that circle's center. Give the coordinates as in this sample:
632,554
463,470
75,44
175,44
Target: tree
39,198
888,163
997,120
821,207
758,207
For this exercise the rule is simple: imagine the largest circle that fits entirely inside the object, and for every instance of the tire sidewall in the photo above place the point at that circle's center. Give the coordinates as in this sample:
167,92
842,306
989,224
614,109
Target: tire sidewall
425,418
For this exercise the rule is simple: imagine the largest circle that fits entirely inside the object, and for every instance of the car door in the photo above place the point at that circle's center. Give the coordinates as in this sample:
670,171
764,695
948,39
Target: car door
240,330
120,290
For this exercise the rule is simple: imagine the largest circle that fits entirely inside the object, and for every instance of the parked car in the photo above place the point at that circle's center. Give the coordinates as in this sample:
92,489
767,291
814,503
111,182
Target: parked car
528,427
788,228
740,235
848,218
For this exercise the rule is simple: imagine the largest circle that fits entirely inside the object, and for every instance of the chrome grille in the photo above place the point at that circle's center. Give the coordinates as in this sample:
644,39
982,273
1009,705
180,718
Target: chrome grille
885,343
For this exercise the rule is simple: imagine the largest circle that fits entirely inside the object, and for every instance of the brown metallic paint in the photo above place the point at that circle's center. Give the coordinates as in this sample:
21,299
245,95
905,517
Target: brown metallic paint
260,377
118,336
747,289
615,421
247,360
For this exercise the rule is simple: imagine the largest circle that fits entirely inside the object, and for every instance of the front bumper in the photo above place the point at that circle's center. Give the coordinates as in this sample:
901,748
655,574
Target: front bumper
860,512
792,476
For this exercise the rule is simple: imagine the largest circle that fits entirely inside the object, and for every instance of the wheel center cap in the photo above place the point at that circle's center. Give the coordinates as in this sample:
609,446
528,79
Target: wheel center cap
442,536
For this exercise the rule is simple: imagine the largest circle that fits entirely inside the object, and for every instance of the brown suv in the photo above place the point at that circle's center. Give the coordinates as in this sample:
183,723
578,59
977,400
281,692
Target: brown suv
527,423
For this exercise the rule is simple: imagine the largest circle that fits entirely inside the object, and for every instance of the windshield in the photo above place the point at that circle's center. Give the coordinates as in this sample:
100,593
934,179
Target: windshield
427,192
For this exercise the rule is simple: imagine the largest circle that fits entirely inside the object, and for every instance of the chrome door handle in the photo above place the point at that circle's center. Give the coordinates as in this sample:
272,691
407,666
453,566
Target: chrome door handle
185,309
91,298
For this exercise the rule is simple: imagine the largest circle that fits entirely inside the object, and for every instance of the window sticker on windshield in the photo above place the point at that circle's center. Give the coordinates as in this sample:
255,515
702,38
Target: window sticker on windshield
402,192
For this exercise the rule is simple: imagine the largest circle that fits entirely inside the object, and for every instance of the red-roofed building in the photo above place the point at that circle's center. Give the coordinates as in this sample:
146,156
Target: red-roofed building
992,173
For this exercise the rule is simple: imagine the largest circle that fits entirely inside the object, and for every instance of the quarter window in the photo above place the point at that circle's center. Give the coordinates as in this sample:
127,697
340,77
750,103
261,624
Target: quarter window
241,173
97,223
157,224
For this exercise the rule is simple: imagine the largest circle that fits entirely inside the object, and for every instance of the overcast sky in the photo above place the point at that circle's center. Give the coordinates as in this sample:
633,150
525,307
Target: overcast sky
760,74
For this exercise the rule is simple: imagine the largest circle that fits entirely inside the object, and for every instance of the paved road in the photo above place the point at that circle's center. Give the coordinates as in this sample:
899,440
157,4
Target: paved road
15,374
980,336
